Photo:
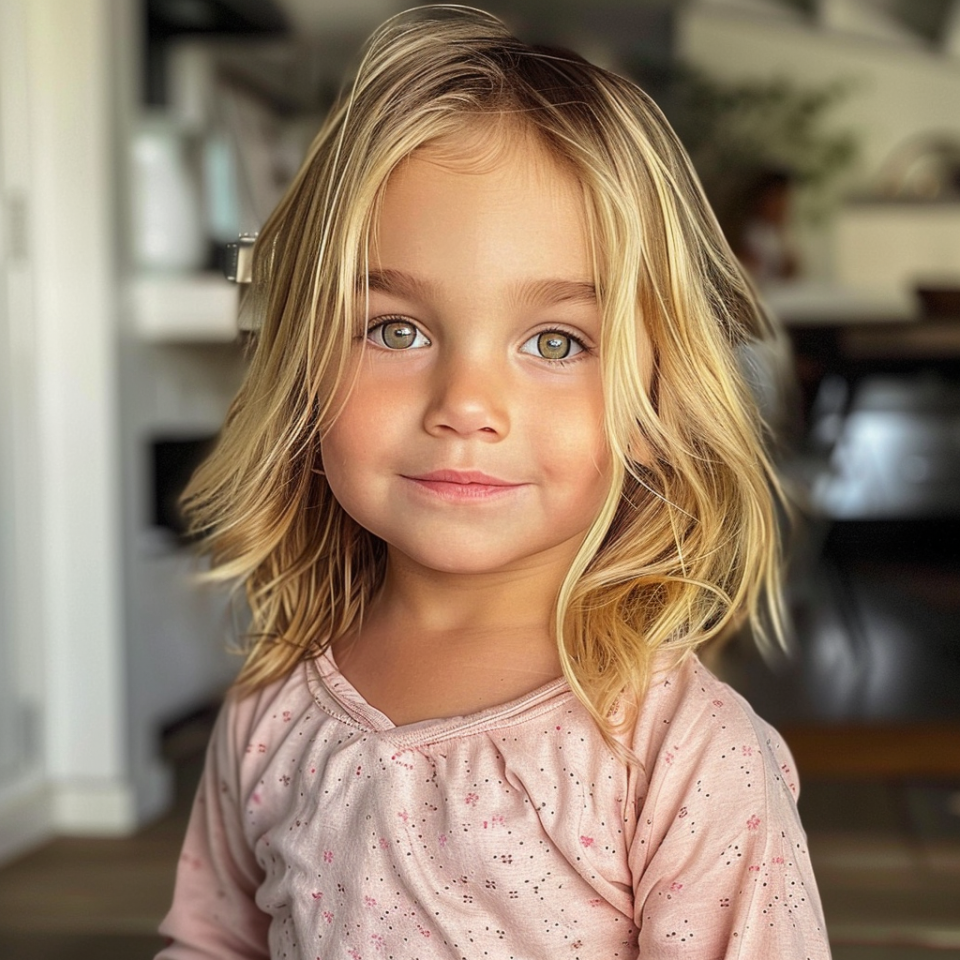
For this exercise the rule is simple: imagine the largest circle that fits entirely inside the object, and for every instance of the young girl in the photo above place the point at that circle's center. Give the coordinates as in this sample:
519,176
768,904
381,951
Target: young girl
491,480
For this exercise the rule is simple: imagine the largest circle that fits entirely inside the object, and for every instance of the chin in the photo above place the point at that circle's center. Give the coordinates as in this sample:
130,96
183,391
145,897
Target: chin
460,562
457,556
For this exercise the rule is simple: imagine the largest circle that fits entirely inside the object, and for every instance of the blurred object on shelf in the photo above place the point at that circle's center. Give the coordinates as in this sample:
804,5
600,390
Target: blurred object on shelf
236,122
168,231
897,455
940,300
926,167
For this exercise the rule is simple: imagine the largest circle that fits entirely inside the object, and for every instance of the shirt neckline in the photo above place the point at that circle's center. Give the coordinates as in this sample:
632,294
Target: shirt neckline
338,697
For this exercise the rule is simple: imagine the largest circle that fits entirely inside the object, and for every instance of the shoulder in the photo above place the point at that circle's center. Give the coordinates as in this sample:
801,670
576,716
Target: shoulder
249,728
711,765
690,718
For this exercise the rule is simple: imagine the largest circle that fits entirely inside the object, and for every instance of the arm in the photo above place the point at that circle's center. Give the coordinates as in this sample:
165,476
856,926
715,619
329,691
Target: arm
214,914
720,864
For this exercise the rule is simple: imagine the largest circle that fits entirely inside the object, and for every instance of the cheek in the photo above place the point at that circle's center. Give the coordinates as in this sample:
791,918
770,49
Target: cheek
359,404
576,446
366,434
349,460
336,458
346,443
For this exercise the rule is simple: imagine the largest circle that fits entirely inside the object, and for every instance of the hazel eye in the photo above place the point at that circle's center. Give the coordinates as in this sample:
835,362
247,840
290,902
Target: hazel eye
553,345
397,335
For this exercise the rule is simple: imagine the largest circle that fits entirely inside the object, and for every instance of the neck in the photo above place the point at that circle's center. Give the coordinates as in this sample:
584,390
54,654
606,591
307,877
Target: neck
508,613
436,644
451,602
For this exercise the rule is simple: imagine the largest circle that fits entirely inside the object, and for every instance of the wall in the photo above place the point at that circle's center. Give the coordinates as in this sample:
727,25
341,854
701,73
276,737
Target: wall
889,248
25,813
102,637
65,630
899,92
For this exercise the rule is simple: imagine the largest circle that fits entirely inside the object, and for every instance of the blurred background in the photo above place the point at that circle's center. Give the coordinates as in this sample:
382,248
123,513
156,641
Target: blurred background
137,137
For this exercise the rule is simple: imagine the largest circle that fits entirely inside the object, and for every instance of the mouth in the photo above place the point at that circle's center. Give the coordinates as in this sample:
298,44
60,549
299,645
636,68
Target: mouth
463,485
462,477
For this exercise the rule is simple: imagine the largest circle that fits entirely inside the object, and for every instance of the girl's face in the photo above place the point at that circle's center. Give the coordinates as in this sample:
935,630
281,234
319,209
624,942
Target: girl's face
472,438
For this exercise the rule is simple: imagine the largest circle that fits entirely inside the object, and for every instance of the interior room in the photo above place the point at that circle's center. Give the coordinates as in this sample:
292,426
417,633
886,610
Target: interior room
138,138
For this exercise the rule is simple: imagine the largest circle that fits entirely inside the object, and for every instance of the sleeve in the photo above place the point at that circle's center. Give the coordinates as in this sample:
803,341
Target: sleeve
214,914
720,863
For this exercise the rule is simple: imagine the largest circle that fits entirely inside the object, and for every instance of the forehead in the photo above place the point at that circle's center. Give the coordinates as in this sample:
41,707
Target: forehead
479,200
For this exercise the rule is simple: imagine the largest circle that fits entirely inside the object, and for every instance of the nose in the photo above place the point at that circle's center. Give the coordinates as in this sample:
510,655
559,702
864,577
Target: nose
469,398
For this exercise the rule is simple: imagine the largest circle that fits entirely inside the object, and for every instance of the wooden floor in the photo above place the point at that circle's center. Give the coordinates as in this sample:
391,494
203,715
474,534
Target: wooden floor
887,861
88,899
94,899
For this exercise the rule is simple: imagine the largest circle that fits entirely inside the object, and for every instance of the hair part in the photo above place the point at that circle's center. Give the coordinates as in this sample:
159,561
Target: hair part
686,542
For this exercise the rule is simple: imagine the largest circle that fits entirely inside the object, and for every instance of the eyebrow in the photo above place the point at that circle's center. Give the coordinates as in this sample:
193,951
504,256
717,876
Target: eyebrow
547,291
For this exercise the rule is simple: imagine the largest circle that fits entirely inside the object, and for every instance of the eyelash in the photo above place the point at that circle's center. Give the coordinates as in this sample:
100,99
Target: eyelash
585,349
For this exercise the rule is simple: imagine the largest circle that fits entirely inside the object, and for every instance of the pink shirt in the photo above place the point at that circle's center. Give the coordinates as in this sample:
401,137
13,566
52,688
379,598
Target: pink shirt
321,831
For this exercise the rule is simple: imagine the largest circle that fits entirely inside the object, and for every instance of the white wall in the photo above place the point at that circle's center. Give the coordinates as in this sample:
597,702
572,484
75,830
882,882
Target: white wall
899,91
25,811
66,634
103,639
75,283
889,248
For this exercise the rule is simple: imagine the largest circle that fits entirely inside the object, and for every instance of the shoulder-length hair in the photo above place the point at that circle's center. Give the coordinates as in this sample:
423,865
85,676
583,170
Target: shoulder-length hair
687,540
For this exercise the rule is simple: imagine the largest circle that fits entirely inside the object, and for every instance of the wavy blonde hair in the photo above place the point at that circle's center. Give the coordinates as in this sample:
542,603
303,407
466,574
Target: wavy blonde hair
686,542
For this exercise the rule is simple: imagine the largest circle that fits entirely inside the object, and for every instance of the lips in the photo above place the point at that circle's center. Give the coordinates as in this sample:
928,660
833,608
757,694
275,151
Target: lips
460,486
462,477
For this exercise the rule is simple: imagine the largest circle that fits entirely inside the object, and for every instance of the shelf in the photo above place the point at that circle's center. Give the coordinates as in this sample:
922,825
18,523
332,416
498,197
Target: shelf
184,308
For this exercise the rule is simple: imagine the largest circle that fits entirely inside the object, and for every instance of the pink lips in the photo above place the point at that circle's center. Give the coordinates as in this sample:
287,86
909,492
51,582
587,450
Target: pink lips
463,485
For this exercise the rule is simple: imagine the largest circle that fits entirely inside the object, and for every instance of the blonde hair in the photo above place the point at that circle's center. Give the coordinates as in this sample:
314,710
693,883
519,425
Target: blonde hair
686,542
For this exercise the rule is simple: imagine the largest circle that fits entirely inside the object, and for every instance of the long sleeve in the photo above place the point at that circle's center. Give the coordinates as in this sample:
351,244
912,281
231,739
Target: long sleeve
720,864
214,913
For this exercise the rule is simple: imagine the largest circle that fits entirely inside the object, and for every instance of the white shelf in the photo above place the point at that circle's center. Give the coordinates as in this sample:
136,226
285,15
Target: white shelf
184,308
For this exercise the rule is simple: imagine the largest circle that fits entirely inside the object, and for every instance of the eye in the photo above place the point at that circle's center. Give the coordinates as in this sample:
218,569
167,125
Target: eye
553,345
397,335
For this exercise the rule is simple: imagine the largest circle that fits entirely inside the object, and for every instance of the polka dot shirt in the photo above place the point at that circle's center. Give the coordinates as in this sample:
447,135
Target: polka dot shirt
321,831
